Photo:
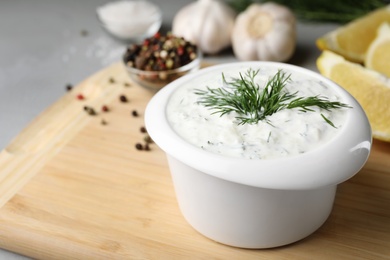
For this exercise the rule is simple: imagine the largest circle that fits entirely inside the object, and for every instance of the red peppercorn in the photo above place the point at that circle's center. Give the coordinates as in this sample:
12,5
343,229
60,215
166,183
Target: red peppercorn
180,50
105,108
80,97
162,66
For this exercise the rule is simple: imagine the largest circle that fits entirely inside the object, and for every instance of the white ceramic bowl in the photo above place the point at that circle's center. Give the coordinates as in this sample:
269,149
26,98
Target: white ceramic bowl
259,203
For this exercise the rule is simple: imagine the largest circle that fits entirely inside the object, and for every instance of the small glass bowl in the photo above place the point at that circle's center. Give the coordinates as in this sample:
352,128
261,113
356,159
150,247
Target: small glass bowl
155,80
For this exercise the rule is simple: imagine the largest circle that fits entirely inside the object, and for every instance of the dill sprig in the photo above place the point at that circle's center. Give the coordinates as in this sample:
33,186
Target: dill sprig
320,10
253,104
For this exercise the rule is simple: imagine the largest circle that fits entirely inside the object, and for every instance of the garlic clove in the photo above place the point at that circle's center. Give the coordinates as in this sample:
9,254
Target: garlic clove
207,23
279,39
269,30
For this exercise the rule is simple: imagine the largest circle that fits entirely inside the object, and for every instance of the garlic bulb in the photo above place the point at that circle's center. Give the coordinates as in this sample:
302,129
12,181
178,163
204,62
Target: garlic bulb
207,23
264,32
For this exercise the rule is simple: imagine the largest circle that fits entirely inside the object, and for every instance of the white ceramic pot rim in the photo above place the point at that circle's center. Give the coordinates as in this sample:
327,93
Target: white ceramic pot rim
330,164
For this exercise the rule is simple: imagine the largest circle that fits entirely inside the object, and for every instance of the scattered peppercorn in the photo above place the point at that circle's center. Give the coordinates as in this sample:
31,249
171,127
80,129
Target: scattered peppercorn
146,147
105,108
127,84
80,97
84,33
90,110
69,87
103,122
139,146
111,80
123,98
134,113
142,129
148,139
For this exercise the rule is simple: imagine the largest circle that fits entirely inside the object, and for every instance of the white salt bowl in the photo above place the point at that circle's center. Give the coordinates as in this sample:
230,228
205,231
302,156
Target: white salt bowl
259,203
132,20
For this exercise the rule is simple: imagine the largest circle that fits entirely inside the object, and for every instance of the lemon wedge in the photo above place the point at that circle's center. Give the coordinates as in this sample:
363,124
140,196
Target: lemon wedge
378,54
370,88
353,39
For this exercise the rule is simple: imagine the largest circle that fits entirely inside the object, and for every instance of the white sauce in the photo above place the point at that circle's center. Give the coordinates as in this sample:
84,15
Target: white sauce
292,132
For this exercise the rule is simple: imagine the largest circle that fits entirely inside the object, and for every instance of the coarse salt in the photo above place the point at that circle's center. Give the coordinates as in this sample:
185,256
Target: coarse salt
130,19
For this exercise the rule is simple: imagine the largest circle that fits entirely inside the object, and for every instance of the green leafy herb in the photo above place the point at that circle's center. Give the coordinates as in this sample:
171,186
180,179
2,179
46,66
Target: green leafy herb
269,136
328,121
320,10
253,104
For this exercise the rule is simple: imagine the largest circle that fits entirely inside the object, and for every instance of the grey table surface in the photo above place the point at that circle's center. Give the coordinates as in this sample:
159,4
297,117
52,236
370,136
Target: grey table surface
43,48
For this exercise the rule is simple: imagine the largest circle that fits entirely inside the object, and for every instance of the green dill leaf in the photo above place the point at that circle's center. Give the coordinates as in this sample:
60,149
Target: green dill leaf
320,10
328,121
252,103
321,102
269,136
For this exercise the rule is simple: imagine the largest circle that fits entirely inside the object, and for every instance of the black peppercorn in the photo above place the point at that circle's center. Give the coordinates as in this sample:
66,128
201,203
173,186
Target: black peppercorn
139,146
69,87
123,98
134,113
90,110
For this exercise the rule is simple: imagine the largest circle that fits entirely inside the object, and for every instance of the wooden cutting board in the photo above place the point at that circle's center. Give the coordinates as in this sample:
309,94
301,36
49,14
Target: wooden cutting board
74,188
